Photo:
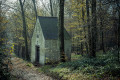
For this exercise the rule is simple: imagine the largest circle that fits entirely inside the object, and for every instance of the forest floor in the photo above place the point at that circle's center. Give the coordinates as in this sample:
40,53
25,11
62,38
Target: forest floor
103,67
22,70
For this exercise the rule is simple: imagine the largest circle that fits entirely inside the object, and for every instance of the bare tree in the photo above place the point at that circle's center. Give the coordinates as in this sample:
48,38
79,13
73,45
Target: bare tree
27,56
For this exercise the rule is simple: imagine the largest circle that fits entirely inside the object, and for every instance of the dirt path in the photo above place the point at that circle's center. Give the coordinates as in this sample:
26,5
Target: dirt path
24,72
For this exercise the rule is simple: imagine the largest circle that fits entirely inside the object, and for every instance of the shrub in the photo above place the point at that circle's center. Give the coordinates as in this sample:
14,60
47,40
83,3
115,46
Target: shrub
4,70
29,64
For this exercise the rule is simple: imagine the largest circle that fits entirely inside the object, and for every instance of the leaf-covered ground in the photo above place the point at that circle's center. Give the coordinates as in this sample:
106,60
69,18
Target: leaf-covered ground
103,67
22,70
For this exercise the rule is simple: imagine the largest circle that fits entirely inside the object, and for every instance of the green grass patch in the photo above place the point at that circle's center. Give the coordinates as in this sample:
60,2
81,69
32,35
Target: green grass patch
29,64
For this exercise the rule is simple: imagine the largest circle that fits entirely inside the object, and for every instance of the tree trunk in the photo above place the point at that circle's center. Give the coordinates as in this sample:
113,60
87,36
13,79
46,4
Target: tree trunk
118,30
0,13
93,29
89,29
51,8
119,35
103,46
27,56
101,28
102,36
81,49
35,8
61,30
83,19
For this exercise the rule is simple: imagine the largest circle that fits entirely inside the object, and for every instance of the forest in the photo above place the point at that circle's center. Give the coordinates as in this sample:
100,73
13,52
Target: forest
91,53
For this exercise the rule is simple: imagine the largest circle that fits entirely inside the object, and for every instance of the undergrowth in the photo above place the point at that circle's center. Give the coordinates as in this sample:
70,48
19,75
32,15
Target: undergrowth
104,66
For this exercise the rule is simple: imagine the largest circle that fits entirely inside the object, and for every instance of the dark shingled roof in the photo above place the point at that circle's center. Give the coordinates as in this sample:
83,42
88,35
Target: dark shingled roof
50,28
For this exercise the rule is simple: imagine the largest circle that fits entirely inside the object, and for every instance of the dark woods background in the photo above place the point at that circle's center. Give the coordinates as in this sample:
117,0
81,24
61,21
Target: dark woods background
94,26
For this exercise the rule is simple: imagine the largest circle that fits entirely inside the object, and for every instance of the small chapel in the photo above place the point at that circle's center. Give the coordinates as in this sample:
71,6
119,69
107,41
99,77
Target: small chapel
45,44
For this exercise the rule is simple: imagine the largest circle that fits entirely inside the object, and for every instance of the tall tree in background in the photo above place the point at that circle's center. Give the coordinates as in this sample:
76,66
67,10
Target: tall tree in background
119,35
118,30
88,24
101,27
35,8
27,56
93,29
83,20
61,30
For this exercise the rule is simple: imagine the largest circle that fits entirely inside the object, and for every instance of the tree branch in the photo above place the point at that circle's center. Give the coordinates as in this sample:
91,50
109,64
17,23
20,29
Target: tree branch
45,6
23,2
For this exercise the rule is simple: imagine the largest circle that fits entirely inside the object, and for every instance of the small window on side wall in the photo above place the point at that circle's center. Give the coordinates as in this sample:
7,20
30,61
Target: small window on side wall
37,36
